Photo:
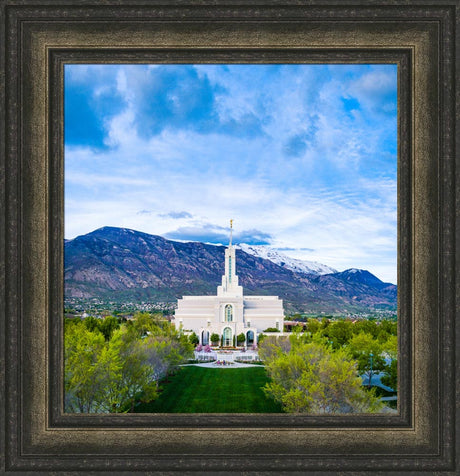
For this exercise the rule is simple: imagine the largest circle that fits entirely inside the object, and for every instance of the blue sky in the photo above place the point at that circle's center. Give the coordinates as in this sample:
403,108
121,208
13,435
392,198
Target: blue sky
302,157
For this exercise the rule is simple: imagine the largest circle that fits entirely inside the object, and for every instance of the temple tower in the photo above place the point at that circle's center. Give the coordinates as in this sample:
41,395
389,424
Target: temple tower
230,285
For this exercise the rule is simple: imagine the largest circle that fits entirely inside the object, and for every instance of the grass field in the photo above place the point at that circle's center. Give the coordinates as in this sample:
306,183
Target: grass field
204,390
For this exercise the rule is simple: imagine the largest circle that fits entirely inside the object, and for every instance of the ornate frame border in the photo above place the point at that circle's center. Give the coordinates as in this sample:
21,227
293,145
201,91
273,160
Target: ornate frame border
38,37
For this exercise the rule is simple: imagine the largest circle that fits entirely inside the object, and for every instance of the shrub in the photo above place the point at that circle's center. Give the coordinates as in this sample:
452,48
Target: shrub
193,338
240,338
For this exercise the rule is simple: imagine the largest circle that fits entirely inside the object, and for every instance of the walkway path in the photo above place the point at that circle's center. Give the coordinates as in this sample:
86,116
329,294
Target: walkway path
212,365
376,382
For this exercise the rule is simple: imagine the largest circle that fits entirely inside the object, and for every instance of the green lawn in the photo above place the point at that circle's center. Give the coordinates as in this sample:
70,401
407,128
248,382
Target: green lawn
204,390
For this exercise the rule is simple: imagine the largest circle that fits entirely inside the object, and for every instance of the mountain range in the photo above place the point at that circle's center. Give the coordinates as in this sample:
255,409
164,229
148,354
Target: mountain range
121,264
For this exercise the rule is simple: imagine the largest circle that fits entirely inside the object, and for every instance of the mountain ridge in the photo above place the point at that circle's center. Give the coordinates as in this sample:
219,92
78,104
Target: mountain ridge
120,263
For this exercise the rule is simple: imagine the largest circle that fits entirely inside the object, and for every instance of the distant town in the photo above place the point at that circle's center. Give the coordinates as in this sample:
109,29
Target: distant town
100,308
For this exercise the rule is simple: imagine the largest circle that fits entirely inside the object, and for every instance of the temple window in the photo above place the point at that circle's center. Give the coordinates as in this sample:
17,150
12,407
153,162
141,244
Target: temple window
228,313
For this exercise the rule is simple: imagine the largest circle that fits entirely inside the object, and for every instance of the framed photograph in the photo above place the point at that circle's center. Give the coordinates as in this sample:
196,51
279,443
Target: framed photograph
155,155
54,170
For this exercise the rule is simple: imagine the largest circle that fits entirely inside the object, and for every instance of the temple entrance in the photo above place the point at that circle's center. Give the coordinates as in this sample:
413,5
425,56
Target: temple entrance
227,337
205,338
249,338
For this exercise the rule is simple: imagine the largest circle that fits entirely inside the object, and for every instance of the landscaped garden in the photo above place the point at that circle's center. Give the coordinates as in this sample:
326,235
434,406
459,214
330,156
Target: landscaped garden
207,390
113,366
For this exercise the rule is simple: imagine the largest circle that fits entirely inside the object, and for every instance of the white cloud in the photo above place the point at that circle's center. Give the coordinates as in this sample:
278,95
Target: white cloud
86,180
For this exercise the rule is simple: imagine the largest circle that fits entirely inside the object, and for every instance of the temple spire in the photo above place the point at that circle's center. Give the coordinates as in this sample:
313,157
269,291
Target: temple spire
231,232
230,279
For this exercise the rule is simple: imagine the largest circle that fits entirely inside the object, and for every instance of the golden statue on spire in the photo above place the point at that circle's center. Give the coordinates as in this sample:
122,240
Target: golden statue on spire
231,232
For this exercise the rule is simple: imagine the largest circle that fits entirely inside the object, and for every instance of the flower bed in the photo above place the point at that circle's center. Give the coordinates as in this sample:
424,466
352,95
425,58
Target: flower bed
222,362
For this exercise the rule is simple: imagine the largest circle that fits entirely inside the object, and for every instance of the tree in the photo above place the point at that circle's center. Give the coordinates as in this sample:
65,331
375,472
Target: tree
367,351
325,323
313,325
138,375
391,375
390,347
108,325
367,326
193,338
390,350
111,375
310,378
272,347
91,323
296,328
145,323
391,327
103,376
82,373
339,333
176,350
240,338
215,338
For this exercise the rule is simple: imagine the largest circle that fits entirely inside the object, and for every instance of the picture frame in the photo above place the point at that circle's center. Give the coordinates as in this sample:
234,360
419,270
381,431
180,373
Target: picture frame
38,38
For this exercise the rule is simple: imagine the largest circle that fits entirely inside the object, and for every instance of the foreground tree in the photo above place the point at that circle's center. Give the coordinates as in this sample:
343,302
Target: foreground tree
83,374
111,375
310,378
272,347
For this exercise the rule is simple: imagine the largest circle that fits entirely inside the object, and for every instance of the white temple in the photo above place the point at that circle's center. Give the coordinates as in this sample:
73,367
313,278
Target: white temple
230,312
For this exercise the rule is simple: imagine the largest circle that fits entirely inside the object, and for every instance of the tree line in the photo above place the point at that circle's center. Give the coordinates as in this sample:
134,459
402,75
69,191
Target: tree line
110,364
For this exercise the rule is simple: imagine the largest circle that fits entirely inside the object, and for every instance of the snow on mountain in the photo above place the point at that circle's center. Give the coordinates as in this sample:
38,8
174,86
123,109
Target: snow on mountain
296,265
